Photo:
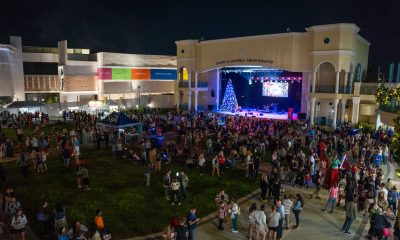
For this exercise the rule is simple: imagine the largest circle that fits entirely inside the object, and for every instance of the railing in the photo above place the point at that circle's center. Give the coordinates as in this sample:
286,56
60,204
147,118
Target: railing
325,89
368,90
393,108
199,84
345,90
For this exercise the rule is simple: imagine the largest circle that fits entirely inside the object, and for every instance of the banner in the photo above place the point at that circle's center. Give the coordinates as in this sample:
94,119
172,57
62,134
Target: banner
136,74
140,74
121,74
163,74
104,73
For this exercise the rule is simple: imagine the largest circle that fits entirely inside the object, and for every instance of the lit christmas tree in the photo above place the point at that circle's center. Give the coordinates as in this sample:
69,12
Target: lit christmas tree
229,102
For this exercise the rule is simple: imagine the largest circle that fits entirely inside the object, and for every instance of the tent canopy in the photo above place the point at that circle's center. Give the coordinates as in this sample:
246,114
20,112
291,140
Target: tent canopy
25,104
110,102
118,120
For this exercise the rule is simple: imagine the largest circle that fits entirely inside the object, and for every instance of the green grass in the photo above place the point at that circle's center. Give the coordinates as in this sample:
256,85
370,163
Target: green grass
117,187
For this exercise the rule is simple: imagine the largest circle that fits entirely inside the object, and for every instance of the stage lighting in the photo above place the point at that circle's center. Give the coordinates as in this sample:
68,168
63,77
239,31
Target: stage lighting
250,82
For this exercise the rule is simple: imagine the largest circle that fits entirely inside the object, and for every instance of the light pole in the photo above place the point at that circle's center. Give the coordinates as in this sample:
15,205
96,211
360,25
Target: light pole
139,94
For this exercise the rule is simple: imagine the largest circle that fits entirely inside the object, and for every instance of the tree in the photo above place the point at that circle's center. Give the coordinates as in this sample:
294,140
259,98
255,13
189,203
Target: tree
229,102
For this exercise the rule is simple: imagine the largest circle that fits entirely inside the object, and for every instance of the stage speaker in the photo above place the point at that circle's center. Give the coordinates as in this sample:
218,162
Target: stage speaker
245,114
250,113
261,114
301,116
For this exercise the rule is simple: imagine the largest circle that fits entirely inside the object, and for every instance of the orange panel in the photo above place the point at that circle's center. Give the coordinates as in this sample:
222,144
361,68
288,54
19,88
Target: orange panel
140,74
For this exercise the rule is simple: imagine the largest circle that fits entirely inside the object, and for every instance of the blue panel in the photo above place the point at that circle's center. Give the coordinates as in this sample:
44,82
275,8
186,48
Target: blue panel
163,74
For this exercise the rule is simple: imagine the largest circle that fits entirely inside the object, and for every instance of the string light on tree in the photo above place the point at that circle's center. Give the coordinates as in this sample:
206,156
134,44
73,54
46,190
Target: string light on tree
229,102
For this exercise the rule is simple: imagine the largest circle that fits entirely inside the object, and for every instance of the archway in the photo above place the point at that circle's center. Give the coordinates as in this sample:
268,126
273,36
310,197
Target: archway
326,77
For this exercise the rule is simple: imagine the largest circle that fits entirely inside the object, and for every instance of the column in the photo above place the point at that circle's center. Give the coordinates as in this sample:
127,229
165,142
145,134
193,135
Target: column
312,111
313,81
190,91
196,91
378,120
337,82
356,110
345,83
334,118
343,110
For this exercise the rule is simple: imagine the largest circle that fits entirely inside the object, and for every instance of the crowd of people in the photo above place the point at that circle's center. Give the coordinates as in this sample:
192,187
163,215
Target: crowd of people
346,162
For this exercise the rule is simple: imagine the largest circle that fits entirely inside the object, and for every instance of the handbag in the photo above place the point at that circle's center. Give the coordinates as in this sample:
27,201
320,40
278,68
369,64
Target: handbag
386,232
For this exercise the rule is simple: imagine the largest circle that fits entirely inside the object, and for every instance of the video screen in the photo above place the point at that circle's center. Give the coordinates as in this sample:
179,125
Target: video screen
275,89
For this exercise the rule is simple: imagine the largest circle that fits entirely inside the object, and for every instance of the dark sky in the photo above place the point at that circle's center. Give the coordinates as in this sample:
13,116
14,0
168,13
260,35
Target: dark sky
152,26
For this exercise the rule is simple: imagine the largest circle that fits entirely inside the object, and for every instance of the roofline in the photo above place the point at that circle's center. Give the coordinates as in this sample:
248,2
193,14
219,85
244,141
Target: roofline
138,54
8,46
318,28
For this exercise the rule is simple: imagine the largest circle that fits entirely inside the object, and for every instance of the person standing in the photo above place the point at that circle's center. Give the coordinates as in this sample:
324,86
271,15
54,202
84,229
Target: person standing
184,180
235,211
23,164
264,185
167,184
192,221
221,215
287,203
351,213
252,220
298,207
18,224
181,230
215,165
281,210
176,188
333,193
147,171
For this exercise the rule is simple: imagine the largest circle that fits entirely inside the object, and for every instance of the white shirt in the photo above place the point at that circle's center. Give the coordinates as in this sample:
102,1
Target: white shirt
261,219
385,193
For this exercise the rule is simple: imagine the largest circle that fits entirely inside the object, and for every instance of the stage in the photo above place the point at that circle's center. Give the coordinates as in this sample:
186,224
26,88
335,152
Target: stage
260,114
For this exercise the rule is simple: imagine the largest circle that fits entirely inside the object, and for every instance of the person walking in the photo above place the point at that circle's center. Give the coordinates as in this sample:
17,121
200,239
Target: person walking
184,180
273,223
351,214
175,188
252,220
18,224
261,224
298,207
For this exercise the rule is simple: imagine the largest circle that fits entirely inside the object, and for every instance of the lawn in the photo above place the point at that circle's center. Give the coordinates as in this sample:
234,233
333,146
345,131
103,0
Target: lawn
117,187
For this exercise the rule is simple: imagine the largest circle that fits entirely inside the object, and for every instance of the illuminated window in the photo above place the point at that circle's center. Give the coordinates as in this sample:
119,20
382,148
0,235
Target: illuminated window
183,74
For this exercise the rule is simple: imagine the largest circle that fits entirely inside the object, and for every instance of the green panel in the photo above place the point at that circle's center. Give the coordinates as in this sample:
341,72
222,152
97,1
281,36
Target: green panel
121,74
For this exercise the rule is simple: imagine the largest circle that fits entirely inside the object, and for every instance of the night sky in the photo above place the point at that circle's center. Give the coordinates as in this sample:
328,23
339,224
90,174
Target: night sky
151,27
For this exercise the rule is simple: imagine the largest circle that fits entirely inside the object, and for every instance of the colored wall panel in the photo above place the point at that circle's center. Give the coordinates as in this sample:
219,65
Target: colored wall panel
104,73
140,74
121,74
163,74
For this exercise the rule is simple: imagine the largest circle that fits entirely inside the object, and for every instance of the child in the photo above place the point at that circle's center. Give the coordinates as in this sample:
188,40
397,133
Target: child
99,220
221,215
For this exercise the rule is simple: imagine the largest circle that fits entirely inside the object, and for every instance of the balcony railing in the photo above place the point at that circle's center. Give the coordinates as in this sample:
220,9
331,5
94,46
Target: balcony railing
368,90
199,84
325,89
393,108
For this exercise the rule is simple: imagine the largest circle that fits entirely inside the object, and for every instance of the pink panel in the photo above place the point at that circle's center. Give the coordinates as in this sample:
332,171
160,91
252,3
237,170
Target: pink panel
104,73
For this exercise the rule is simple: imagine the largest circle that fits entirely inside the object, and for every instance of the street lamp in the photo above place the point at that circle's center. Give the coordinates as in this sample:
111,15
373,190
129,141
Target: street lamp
139,94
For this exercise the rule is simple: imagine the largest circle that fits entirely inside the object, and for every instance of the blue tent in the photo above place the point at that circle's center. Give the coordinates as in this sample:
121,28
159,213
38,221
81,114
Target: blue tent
119,120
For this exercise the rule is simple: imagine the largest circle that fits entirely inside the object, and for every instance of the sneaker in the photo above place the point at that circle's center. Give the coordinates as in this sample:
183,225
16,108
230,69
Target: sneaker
323,210
179,204
330,212
347,232
235,231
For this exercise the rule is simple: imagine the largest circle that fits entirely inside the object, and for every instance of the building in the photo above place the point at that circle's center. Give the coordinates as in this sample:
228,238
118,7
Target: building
332,60
73,77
